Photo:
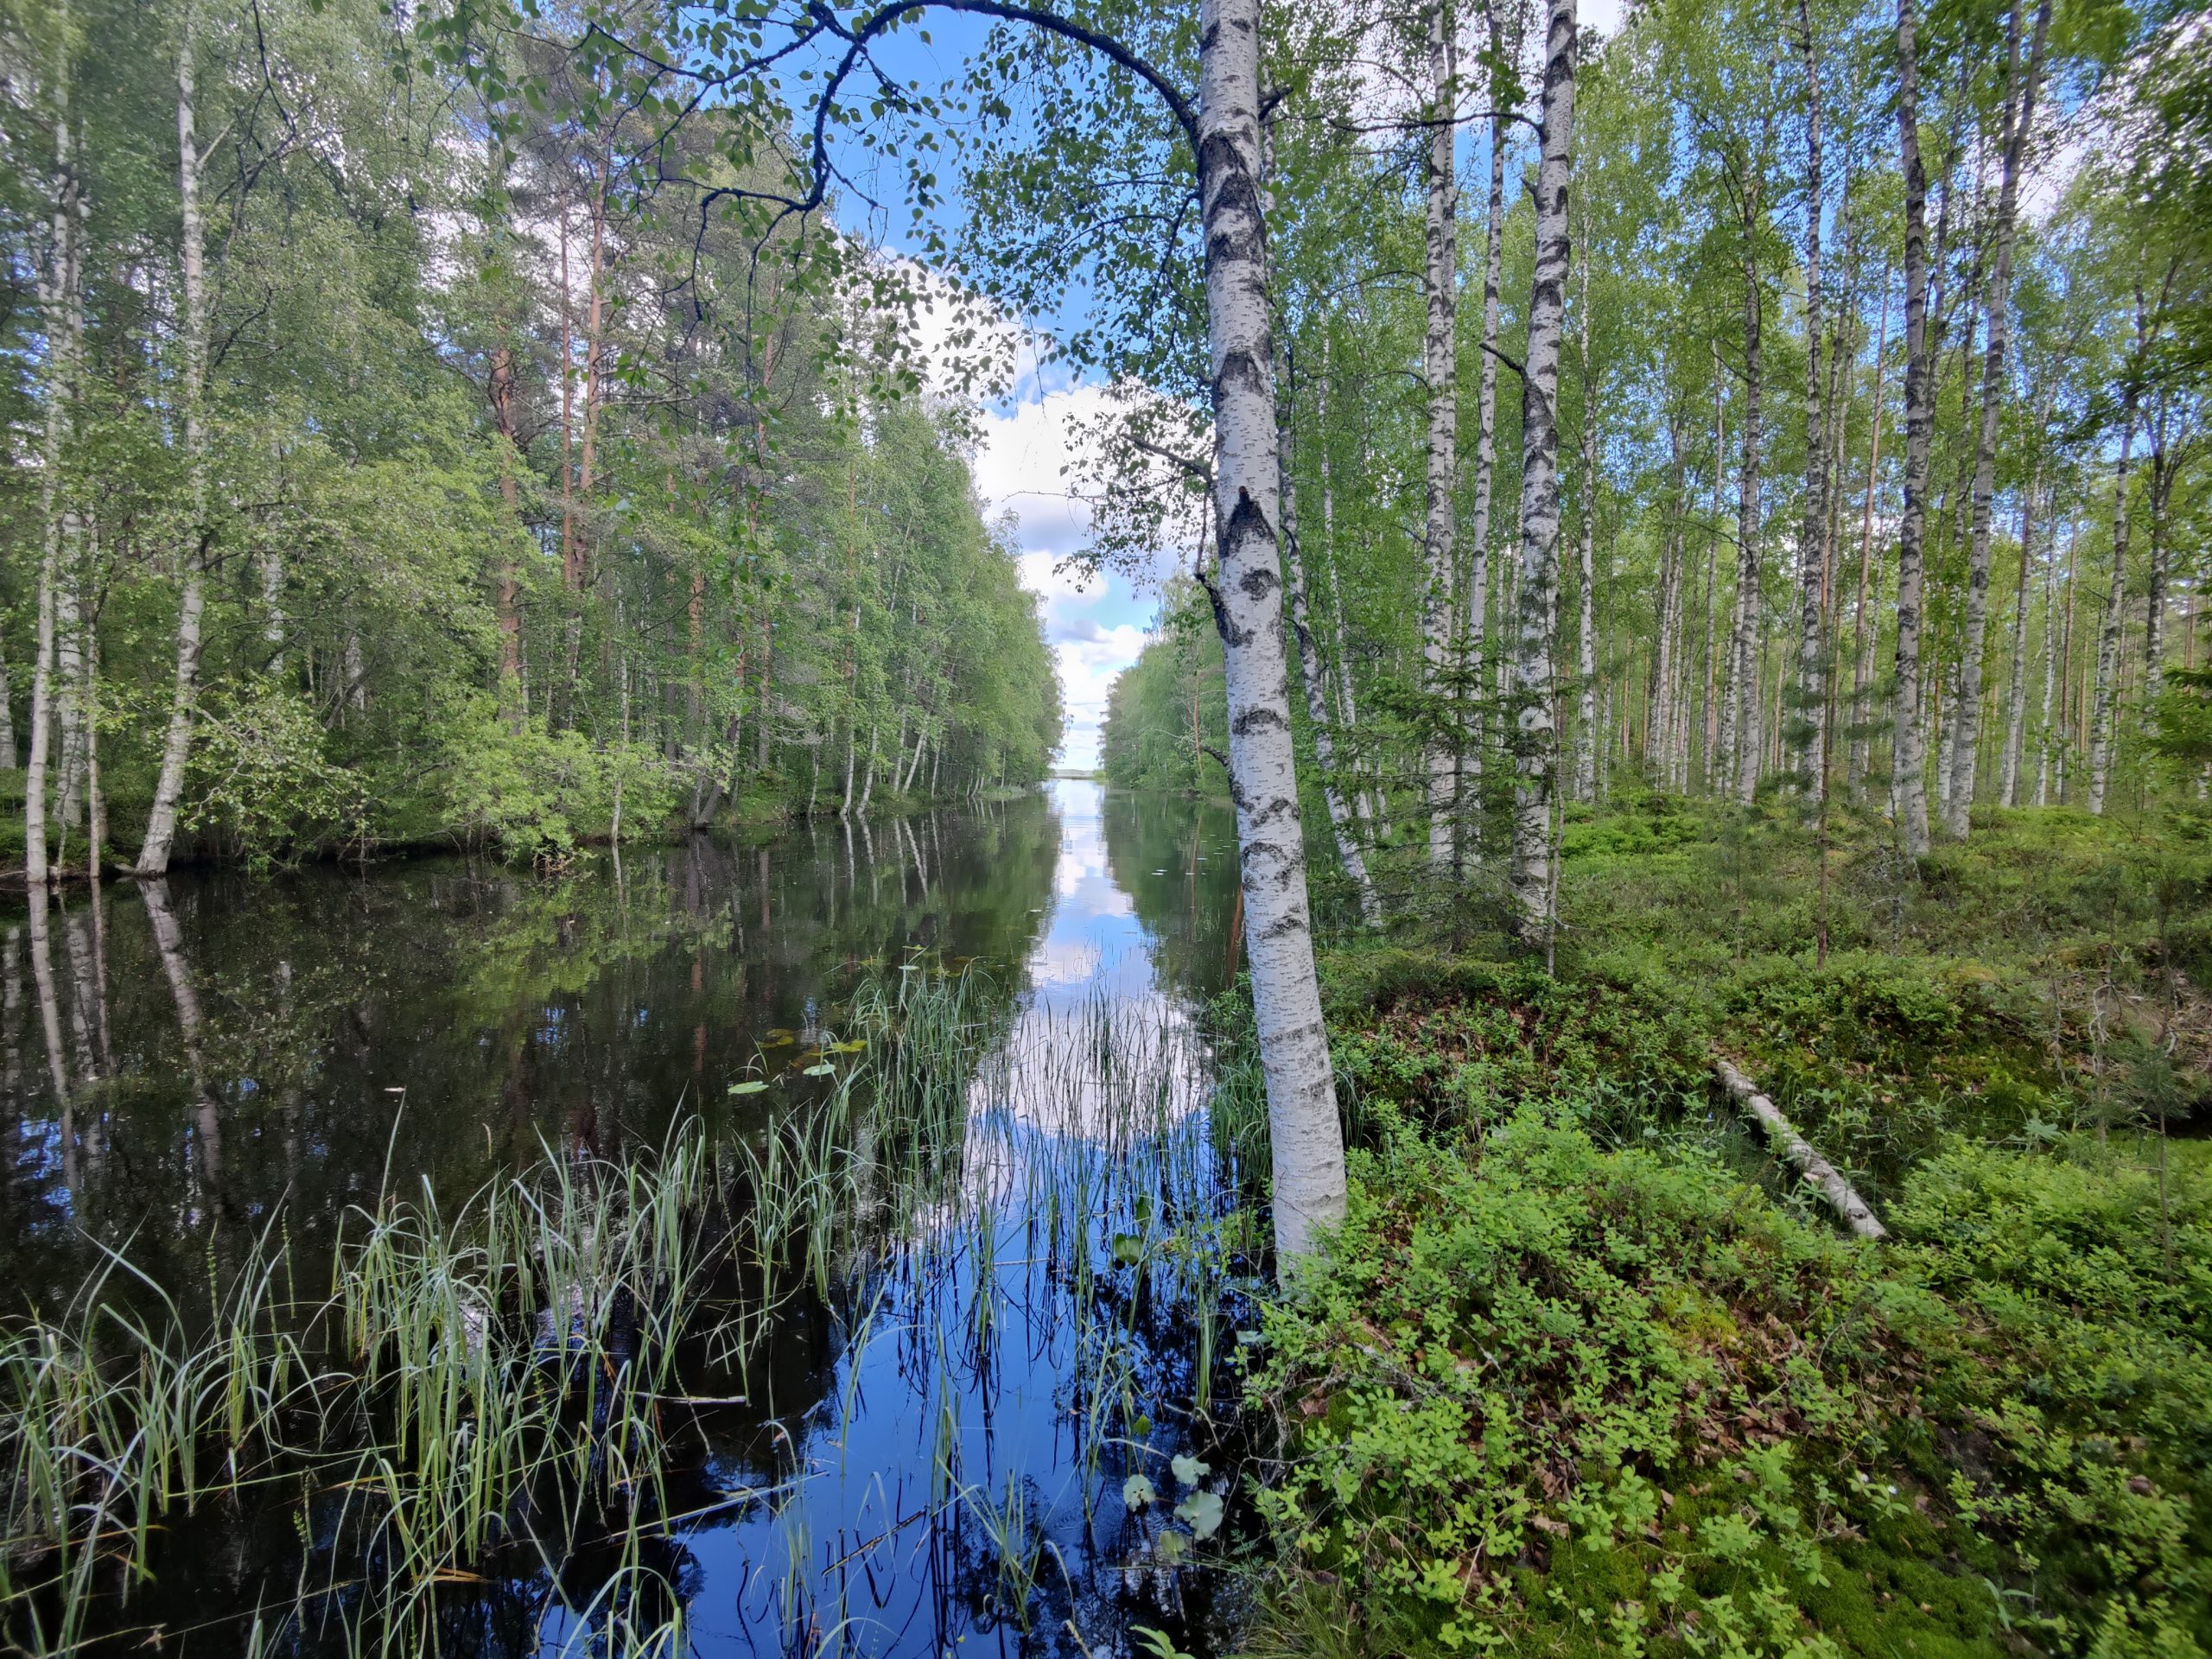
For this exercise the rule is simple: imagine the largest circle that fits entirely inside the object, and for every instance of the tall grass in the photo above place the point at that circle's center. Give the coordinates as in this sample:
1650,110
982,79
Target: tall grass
491,1387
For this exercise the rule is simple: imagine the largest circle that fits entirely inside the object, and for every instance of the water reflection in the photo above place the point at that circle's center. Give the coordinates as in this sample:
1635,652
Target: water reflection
972,1397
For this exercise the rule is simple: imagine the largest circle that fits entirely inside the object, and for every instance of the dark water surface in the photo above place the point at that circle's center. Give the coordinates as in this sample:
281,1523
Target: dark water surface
214,1054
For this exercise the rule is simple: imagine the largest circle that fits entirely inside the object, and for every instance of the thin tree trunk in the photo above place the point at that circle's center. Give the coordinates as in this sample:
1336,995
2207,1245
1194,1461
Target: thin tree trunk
514,709
1535,735
59,293
160,820
1307,1141
1440,367
1743,673
1486,400
2109,641
2044,731
2162,470
1585,735
1309,669
2016,695
2016,121
1908,763
1862,664
1808,733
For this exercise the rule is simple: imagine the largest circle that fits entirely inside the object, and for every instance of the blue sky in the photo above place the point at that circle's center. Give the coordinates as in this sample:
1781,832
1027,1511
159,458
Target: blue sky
1095,629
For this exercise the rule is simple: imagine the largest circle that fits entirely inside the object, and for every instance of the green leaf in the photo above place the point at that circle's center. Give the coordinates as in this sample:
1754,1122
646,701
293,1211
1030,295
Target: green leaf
1189,1470
821,1071
750,1086
1204,1512
1136,1493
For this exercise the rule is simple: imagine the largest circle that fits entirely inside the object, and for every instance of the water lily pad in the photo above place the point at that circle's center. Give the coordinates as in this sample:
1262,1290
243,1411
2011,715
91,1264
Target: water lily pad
1171,1549
1128,1248
909,966
750,1086
778,1037
1204,1512
1136,1493
1140,1426
1189,1470
853,1047
823,1071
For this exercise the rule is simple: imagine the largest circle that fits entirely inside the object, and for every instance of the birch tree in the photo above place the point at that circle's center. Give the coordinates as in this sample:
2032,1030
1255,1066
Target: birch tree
1908,761
192,331
2015,122
1440,370
1535,747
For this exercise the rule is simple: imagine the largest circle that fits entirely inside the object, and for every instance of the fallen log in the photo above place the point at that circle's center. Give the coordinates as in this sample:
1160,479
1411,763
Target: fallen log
1793,1148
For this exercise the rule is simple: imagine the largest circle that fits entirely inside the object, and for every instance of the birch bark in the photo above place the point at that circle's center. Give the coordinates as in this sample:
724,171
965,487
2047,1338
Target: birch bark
1440,365
191,328
1534,736
1585,734
59,293
1909,761
1809,733
1305,1136
2018,118
2100,714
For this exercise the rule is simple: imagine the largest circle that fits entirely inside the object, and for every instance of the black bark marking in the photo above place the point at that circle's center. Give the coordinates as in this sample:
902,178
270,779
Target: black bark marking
1253,719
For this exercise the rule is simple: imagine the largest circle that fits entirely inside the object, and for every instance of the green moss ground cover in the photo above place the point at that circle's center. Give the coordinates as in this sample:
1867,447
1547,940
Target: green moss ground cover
1581,1376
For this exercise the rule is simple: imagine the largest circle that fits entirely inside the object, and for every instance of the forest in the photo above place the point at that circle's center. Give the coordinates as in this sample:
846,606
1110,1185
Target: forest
1616,1059
370,488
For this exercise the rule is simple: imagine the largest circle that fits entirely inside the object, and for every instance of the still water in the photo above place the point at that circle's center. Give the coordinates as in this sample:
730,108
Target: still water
214,1057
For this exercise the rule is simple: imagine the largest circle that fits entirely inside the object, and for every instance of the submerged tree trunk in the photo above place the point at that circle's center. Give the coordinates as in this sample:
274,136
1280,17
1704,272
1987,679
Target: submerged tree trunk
2018,119
1440,367
1908,763
161,819
1534,734
1306,1139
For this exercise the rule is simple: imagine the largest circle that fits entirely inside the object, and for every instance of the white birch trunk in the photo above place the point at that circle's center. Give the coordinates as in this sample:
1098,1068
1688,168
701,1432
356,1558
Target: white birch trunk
2018,119
2101,715
1808,732
1585,734
1311,676
1440,367
192,327
2045,733
1306,1139
1479,576
1535,736
59,293
2016,694
1908,762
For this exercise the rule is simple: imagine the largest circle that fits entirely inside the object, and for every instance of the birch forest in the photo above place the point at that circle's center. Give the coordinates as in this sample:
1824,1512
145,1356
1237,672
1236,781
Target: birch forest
1106,828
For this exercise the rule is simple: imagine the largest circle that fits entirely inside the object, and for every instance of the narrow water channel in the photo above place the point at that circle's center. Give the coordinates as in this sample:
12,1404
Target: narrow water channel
988,1418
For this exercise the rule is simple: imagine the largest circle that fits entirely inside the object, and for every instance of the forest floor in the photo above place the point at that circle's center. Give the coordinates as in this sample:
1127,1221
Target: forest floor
1585,1374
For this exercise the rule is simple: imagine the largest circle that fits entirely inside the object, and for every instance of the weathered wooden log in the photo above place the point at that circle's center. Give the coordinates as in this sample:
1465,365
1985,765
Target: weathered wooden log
1793,1148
